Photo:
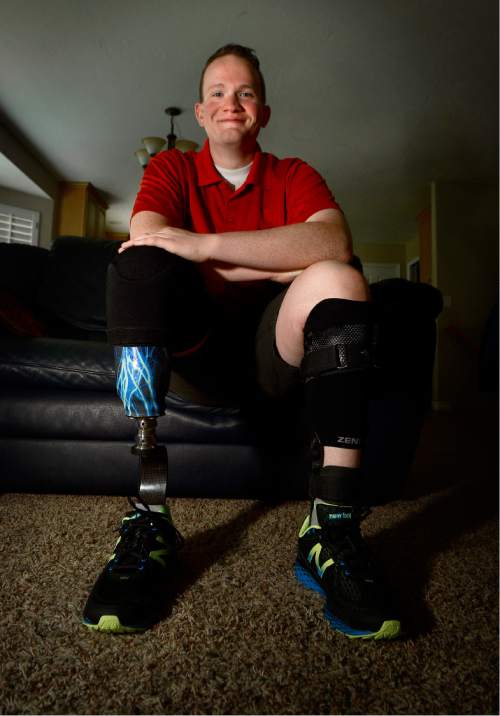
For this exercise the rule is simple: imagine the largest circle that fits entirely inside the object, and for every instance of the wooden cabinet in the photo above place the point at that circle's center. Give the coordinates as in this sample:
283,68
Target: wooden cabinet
81,212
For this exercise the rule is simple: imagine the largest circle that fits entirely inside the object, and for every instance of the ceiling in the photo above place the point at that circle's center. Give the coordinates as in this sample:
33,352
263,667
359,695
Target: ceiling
381,96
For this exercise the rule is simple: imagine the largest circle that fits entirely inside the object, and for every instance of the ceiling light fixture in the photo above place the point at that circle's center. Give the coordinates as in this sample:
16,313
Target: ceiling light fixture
153,145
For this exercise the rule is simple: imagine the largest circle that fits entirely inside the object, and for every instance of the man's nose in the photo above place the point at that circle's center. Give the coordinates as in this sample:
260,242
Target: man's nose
232,102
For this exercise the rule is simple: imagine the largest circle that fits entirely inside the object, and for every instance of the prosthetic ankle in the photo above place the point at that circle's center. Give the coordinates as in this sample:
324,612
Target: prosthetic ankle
337,342
143,374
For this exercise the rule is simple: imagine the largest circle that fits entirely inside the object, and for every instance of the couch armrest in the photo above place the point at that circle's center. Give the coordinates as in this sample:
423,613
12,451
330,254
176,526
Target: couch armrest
400,297
21,271
74,284
405,336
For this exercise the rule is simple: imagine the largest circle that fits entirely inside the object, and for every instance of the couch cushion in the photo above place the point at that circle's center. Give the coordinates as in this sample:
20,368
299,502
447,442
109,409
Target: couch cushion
94,415
405,336
78,365
54,363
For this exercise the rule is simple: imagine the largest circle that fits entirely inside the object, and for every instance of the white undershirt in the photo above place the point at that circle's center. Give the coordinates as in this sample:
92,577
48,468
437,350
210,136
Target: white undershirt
236,177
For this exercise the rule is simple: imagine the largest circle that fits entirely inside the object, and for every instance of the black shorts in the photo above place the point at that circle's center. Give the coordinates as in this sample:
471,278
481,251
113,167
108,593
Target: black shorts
158,298
238,360
275,377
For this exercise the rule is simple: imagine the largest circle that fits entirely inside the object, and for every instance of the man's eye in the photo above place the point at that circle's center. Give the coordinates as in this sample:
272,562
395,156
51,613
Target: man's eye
217,93
246,93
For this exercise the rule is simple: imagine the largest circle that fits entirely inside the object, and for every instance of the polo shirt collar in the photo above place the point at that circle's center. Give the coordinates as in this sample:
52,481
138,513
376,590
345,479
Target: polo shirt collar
208,174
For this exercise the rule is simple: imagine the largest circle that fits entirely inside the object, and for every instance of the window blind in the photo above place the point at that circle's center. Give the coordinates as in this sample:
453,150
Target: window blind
19,226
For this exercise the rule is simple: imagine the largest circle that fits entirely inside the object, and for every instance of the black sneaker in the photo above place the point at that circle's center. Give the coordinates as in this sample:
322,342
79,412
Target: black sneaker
135,588
334,560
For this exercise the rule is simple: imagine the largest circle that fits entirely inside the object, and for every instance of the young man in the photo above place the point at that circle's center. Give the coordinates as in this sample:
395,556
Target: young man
224,228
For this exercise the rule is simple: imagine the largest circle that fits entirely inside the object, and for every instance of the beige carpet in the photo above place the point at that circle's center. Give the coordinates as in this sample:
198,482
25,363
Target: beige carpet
243,637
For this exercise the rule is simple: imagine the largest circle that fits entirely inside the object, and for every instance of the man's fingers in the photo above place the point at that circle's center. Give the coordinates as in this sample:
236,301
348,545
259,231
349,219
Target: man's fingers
143,240
140,237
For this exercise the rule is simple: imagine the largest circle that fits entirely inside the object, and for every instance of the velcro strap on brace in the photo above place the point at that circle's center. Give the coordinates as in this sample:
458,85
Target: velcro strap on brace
339,357
340,485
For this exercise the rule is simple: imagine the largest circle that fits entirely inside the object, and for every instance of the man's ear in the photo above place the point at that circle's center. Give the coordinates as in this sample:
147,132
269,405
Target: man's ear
199,113
266,115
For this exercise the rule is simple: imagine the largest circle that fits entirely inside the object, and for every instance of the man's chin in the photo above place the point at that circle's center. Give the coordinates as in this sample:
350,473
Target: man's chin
236,135
233,130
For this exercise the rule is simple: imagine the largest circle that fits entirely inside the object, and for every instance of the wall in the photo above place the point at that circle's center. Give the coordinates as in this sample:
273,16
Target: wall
382,253
36,203
117,235
31,166
412,250
466,271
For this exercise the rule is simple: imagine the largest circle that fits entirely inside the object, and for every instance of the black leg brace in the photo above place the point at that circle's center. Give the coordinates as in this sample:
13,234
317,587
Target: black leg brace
337,342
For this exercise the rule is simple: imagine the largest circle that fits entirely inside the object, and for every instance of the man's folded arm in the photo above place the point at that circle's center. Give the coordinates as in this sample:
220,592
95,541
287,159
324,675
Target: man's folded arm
277,254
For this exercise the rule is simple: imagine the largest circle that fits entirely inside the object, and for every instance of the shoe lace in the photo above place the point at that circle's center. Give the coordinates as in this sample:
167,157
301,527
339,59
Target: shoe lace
349,549
132,550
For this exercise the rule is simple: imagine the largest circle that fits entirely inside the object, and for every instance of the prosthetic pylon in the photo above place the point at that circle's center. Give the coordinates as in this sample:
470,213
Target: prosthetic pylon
142,377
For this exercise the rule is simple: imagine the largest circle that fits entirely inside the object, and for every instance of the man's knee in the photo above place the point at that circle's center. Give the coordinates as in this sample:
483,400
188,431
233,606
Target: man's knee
334,279
318,282
154,296
145,263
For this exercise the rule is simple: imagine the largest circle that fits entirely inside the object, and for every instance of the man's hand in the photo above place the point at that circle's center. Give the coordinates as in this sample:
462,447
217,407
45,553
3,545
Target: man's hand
187,244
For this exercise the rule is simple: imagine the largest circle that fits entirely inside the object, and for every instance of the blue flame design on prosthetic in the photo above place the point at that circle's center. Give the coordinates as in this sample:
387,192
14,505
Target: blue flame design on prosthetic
142,379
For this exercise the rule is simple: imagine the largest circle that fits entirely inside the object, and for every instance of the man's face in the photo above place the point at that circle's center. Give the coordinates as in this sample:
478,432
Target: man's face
232,112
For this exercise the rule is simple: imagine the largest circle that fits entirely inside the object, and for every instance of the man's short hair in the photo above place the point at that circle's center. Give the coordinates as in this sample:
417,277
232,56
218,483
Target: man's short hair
245,53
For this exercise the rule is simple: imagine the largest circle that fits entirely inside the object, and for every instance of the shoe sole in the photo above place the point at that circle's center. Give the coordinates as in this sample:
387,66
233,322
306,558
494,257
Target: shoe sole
111,624
390,629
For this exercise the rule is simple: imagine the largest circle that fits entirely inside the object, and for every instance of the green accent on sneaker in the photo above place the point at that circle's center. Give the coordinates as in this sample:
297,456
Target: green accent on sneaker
314,554
306,526
157,554
389,630
111,623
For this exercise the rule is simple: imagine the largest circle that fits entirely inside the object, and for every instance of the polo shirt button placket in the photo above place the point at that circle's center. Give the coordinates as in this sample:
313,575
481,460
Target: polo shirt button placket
229,213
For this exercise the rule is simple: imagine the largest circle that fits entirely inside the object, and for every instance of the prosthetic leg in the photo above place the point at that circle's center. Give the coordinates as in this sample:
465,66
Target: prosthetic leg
143,374
156,306
154,303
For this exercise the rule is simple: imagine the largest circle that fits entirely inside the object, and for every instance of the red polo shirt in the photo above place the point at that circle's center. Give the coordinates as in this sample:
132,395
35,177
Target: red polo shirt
189,191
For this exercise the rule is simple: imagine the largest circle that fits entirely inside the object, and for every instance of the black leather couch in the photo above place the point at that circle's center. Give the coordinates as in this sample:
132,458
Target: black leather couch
62,427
